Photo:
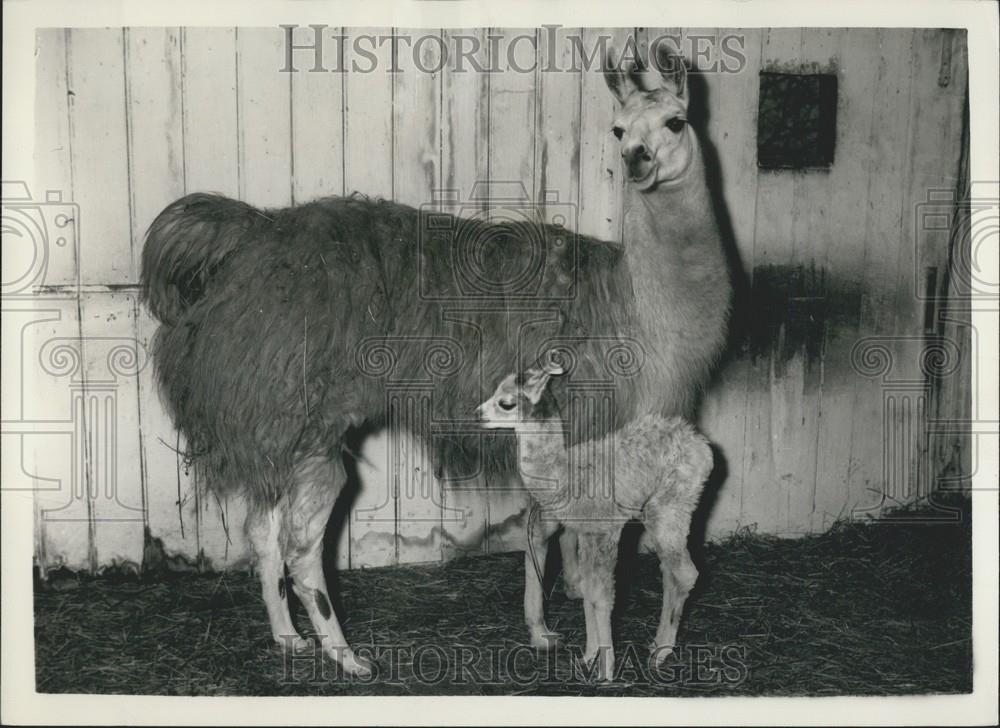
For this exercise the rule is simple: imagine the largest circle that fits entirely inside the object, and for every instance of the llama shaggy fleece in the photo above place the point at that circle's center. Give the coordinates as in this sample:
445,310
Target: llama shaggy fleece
663,461
281,329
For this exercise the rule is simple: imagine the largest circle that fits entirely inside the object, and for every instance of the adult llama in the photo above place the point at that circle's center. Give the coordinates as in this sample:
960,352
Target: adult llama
281,329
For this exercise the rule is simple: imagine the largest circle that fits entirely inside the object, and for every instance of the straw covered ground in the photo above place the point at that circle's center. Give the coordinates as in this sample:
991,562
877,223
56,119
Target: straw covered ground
863,609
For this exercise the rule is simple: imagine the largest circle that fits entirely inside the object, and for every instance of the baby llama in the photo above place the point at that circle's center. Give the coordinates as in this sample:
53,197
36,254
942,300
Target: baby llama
658,469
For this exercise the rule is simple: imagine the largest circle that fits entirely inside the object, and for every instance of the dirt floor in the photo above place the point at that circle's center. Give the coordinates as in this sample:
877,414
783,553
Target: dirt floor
878,609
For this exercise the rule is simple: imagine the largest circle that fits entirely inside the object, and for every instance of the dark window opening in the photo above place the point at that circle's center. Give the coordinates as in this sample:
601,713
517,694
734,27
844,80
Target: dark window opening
796,120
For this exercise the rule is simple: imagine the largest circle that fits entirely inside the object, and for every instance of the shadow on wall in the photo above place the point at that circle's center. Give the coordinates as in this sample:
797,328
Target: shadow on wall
784,309
698,114
779,312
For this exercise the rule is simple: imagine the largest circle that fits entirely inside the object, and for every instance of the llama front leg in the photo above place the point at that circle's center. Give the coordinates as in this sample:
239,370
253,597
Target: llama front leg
263,528
598,556
540,530
599,646
590,621
318,482
605,644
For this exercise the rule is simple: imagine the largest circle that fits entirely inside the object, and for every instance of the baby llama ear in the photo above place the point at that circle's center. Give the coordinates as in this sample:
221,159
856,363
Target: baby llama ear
535,381
553,364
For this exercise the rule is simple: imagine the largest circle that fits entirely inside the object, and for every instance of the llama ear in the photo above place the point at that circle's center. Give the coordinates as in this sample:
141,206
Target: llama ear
673,71
620,81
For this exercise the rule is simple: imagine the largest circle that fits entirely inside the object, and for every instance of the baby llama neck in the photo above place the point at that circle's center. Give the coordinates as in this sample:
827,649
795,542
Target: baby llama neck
542,458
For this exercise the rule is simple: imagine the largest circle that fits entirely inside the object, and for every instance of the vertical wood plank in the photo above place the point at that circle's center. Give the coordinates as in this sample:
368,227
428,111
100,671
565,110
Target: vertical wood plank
512,108
50,338
368,119
812,236
155,124
52,454
953,455
111,408
368,168
933,154
733,132
764,498
464,162
730,143
211,129
601,175
318,121
842,257
100,155
153,69
416,108
512,137
264,97
557,123
416,177
465,96
53,170
880,260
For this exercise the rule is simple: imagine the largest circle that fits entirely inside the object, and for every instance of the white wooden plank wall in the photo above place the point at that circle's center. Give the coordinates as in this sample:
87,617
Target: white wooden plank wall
131,119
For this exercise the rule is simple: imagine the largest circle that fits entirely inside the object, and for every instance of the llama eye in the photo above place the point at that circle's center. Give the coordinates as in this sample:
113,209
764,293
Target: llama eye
506,405
676,124
617,131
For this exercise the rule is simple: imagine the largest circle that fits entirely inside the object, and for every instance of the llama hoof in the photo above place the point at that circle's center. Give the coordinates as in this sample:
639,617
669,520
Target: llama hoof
545,640
604,670
660,652
293,645
354,666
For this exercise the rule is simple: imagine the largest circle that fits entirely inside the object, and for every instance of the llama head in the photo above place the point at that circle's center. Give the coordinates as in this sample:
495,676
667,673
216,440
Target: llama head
521,399
651,121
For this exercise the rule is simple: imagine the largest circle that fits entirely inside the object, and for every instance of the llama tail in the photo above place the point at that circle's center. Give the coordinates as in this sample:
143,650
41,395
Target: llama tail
185,246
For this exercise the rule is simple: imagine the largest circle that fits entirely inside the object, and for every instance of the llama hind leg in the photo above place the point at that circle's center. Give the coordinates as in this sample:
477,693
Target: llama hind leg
263,528
568,545
317,483
679,576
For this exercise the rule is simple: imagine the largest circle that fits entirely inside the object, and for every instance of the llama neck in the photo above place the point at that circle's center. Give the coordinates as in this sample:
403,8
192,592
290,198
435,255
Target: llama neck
680,279
542,458
671,226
